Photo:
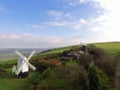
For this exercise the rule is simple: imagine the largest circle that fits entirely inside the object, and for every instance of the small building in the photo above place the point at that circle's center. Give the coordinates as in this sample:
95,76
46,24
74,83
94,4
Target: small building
75,54
84,49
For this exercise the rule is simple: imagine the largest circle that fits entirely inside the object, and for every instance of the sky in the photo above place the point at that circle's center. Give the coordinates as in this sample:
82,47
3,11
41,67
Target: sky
58,23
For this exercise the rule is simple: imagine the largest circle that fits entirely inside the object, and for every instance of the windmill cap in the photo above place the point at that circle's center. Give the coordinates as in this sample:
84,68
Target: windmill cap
25,58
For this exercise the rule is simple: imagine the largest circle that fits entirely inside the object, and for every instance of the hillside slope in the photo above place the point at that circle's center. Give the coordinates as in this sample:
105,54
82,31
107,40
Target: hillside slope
110,47
10,82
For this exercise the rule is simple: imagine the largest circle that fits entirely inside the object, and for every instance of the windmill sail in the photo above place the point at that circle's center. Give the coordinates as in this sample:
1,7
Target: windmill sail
31,55
14,69
19,54
31,66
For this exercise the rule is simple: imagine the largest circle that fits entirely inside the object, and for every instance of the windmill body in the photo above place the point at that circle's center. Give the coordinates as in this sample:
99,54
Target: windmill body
23,65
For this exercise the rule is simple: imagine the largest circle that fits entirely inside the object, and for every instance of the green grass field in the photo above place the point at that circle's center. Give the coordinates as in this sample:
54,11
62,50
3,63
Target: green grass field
58,50
111,48
8,82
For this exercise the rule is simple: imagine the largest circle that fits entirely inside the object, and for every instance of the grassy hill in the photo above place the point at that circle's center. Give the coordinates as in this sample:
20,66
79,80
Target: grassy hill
111,47
9,82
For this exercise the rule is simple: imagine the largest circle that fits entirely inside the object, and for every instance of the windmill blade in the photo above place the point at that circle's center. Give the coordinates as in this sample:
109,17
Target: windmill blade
19,54
31,66
14,70
31,55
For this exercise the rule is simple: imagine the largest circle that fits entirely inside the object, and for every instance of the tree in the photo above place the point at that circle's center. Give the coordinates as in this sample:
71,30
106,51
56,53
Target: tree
98,80
117,73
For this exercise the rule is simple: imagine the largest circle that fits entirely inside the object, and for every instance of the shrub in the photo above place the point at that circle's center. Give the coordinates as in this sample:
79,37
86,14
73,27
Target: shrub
98,80
78,79
102,60
2,71
97,53
85,60
117,73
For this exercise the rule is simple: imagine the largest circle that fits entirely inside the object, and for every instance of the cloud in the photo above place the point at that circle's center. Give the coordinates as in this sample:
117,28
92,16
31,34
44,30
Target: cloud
59,23
76,25
58,18
28,40
2,8
104,25
55,13
9,37
108,21
36,41
71,3
105,4
58,14
105,21
36,26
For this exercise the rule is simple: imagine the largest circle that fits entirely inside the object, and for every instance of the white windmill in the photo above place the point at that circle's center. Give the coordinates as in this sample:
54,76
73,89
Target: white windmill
23,65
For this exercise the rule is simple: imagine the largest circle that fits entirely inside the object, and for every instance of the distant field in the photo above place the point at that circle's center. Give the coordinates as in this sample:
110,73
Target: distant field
111,48
9,54
7,59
